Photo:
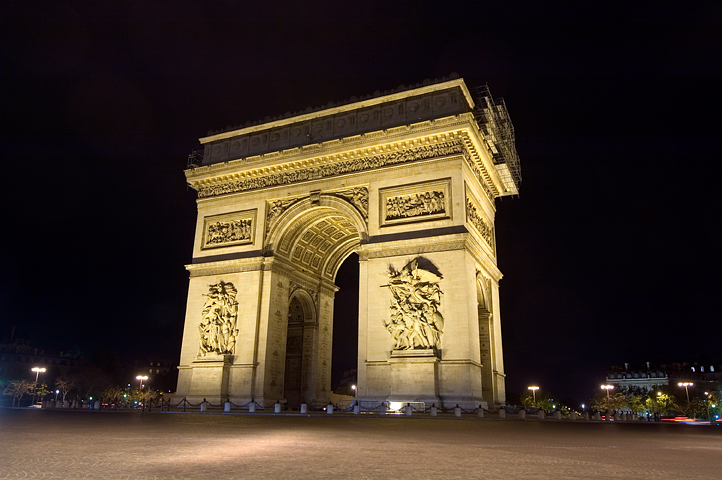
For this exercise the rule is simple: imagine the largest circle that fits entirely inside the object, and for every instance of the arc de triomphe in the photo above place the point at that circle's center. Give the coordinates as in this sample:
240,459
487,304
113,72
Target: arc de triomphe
408,181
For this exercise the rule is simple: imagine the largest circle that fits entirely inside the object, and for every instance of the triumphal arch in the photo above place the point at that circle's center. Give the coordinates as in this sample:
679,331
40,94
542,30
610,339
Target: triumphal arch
407,180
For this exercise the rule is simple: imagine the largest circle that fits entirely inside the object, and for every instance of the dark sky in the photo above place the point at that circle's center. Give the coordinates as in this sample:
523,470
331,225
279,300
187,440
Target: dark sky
609,253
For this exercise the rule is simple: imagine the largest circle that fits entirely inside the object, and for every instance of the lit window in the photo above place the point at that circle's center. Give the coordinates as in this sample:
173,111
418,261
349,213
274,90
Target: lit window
711,368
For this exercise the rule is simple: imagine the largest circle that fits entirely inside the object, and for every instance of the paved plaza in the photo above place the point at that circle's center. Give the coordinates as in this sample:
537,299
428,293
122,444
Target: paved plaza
67,444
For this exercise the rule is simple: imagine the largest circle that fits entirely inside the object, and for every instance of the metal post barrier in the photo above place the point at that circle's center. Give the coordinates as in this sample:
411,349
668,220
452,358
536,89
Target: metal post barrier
227,407
304,408
329,408
522,414
408,409
433,410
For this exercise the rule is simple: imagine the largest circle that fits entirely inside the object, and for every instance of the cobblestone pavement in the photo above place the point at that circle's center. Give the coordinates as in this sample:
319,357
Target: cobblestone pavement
66,444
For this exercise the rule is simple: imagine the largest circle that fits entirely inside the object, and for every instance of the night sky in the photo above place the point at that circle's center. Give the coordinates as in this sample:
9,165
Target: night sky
609,254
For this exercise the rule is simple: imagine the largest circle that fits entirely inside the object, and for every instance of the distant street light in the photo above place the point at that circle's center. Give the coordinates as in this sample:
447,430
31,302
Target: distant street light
686,386
141,378
533,392
353,387
38,371
607,388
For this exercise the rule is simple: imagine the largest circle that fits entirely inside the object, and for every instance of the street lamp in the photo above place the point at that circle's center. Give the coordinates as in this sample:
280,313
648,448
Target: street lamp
353,387
38,371
607,388
141,378
533,392
686,386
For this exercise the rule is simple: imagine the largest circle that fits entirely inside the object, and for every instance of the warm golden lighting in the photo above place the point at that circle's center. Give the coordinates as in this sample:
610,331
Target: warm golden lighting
686,386
533,389
141,378
607,388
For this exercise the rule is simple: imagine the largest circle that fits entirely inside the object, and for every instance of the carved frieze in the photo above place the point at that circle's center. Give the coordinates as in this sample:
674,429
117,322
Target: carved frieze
347,166
475,217
217,329
417,202
415,323
229,229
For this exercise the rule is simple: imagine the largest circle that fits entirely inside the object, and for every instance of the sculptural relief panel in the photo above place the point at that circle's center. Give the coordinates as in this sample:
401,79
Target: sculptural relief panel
217,328
229,229
475,216
415,321
417,202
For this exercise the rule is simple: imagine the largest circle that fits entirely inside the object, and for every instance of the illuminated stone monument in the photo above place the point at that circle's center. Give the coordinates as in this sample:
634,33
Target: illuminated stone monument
408,181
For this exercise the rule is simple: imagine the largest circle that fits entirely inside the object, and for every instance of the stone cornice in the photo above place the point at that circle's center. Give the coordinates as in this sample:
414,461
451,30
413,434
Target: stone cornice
225,267
346,108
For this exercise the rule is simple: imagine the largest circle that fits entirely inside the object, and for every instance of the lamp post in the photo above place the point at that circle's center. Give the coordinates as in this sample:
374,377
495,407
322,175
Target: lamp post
607,388
686,386
533,393
141,378
353,387
38,371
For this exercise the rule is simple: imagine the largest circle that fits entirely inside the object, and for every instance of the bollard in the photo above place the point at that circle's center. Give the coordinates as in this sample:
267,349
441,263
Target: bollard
304,408
480,412
383,408
408,409
329,408
616,417
623,417
433,410
96,405
522,414
66,404
557,415
227,407
457,411
357,409
573,416
585,415
59,404
277,407
203,405
597,416
502,413
252,407
541,414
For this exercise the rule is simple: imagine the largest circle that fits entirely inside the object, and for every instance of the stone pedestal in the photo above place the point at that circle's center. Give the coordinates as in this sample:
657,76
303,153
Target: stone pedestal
209,378
413,376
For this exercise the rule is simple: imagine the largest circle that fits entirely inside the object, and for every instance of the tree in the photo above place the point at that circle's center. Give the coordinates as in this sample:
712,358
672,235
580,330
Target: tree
636,403
543,401
695,408
41,391
18,389
662,403
112,394
65,385
606,403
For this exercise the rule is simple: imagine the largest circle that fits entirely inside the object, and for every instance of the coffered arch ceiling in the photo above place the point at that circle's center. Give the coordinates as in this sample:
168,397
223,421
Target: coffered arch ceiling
317,241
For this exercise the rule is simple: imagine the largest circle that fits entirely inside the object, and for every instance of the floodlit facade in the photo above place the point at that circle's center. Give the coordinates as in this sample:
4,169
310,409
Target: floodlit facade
407,180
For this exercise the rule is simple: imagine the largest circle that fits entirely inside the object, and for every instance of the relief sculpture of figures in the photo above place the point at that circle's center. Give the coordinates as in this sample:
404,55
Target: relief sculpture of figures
416,322
225,232
218,320
406,206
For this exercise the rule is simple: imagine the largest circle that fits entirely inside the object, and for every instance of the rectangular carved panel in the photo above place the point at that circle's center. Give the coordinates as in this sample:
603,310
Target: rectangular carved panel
476,217
229,229
415,202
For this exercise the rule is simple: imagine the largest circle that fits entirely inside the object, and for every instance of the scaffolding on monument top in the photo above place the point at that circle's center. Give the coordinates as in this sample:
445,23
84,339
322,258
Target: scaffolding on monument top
495,124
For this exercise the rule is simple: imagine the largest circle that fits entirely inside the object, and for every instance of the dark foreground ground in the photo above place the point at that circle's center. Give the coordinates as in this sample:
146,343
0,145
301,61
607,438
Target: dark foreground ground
110,445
